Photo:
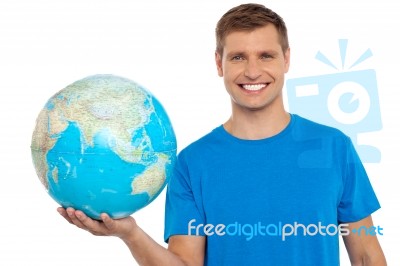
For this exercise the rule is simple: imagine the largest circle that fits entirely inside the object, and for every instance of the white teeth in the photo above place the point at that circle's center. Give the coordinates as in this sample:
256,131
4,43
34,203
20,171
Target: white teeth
253,87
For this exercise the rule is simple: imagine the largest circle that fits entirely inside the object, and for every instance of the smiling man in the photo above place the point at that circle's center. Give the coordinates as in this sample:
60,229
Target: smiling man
253,64
266,187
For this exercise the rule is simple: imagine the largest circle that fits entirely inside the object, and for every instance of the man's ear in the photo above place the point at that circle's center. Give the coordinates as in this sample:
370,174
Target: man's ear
287,59
218,62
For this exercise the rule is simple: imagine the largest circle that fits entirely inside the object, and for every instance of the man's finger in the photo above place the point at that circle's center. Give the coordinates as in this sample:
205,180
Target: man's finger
86,221
74,219
108,222
64,214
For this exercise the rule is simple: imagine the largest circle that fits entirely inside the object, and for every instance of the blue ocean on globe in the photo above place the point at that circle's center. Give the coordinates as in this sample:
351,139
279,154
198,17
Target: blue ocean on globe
104,144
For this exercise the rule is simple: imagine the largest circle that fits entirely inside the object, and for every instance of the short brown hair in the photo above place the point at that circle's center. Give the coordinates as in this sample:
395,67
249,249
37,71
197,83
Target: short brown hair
248,17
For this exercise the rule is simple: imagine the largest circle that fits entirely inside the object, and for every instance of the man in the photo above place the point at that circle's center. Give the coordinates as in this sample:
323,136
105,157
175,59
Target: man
266,187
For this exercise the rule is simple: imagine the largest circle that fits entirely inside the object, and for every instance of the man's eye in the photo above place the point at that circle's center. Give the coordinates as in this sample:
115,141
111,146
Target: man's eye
237,58
266,56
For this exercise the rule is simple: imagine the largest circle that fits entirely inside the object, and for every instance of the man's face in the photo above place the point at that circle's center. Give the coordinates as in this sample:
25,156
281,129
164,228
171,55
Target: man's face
253,66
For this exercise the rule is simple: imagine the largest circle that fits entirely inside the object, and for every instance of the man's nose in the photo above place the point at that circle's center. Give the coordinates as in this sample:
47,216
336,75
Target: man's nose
253,69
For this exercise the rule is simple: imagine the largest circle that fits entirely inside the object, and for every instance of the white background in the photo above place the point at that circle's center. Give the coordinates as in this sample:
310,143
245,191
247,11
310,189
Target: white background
168,47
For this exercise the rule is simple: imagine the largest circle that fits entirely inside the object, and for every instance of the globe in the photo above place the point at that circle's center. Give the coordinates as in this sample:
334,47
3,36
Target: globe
103,144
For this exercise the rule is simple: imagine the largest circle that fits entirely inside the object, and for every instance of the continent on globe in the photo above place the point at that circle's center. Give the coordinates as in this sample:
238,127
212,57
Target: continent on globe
103,144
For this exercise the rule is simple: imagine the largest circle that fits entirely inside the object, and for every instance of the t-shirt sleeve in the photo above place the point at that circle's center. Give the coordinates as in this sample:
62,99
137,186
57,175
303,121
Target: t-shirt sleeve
358,198
181,206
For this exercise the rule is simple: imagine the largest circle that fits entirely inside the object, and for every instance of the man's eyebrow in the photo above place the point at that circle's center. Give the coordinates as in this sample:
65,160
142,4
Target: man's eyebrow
235,53
242,53
270,52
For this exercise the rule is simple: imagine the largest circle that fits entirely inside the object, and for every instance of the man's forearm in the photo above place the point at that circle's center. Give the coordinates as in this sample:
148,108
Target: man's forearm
148,252
376,260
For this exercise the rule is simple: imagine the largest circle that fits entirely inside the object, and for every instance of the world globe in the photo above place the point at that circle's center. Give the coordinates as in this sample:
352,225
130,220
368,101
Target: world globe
103,144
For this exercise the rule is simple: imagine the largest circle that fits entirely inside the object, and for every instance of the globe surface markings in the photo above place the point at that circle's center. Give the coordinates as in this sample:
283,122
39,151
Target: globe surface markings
101,141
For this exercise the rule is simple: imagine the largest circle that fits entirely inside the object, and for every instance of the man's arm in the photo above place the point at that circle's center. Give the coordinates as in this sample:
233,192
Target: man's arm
182,250
363,249
190,249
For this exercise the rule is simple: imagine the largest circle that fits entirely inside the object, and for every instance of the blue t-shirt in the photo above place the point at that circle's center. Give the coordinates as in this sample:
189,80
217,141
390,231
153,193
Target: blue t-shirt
274,201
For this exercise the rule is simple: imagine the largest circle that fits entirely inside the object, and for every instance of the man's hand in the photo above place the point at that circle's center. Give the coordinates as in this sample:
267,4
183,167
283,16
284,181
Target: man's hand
122,228
183,250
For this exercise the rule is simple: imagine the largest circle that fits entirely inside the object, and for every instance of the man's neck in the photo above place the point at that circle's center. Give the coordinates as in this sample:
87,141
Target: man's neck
254,125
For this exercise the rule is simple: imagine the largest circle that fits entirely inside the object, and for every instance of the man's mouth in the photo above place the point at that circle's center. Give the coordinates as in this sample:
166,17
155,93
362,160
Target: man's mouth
254,87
